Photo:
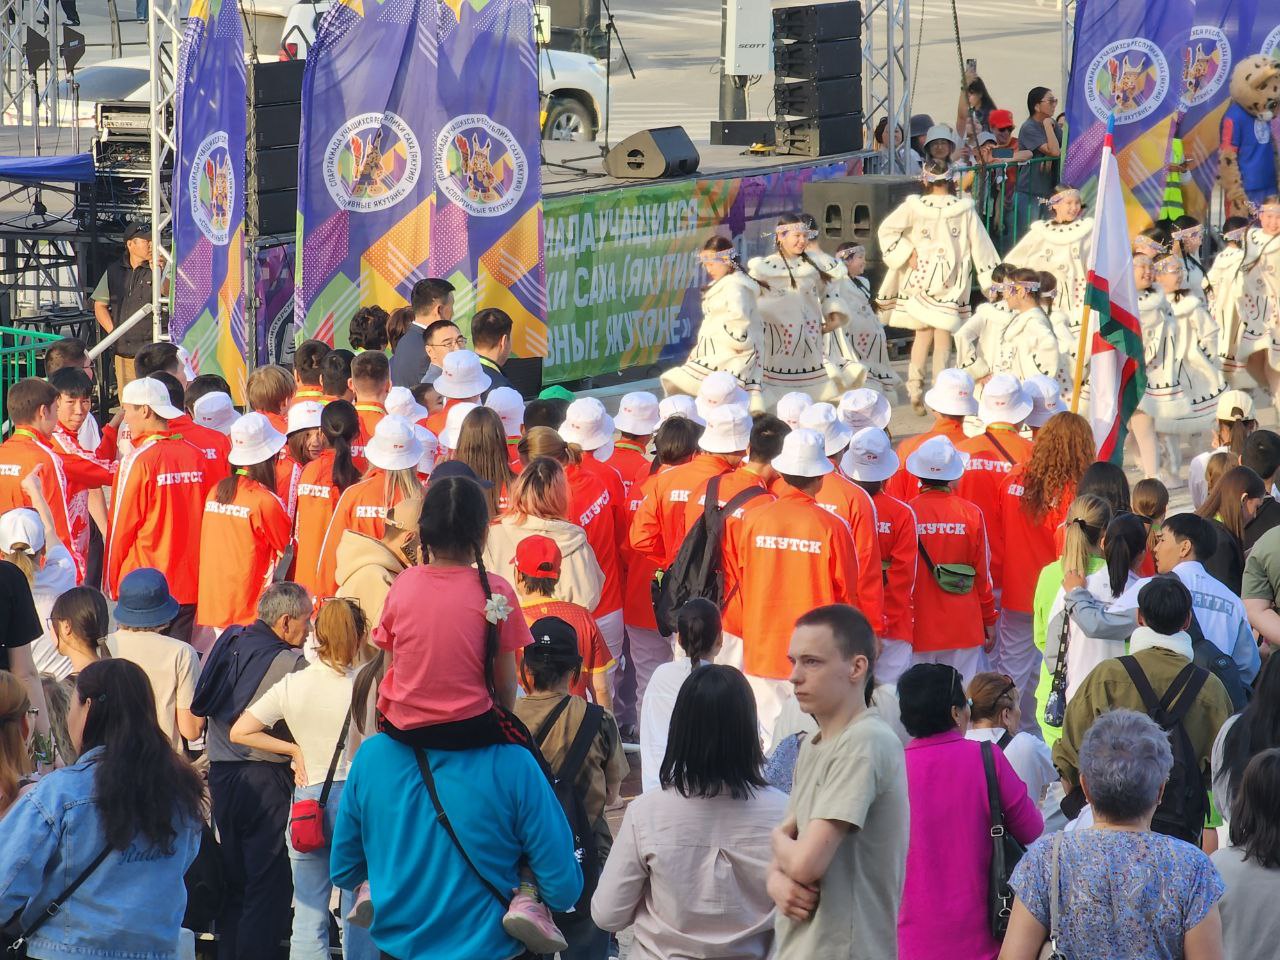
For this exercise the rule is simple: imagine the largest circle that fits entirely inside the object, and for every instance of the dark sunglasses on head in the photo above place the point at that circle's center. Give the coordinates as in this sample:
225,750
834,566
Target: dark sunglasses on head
1004,129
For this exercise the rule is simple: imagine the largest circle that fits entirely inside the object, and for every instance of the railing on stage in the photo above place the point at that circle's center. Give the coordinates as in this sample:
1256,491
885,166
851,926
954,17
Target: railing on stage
18,358
1006,213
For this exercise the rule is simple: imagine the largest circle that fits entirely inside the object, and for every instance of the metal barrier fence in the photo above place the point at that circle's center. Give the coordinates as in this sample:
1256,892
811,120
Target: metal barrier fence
18,356
1005,212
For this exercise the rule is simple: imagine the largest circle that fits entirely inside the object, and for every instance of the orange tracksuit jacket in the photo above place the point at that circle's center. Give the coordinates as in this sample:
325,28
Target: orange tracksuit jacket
215,446
240,543
592,507
632,465
369,414
853,505
984,474
952,531
896,525
903,485
1029,543
157,505
29,451
362,507
317,498
658,527
639,570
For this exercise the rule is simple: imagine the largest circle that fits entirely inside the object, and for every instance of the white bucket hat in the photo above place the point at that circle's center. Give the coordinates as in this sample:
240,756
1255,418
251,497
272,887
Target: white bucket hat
400,403
21,525
461,377
791,406
303,415
638,414
253,439
215,411
1003,401
720,389
393,446
509,406
453,424
1046,399
951,394
587,424
870,457
940,131
679,406
803,455
865,407
150,392
728,429
823,418
936,459
430,448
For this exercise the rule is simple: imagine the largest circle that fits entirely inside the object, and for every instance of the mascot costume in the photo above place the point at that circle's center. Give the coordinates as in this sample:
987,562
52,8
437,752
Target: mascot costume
1247,162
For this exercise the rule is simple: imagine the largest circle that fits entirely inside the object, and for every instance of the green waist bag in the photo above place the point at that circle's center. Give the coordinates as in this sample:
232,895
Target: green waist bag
952,577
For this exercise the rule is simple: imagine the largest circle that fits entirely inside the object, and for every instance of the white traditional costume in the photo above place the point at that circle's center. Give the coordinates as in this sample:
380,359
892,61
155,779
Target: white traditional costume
1182,383
1259,306
1226,288
862,340
729,338
1063,250
793,303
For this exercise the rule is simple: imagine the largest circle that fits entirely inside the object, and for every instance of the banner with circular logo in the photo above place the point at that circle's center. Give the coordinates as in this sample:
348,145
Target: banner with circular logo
1128,76
212,187
372,162
480,165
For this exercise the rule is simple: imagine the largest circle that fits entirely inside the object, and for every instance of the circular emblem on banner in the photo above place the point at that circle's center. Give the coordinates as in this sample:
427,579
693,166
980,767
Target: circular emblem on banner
1206,64
1131,75
372,162
211,185
480,165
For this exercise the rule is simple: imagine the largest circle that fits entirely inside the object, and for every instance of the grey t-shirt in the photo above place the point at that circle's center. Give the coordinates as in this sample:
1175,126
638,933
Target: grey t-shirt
1038,179
218,737
1250,921
860,778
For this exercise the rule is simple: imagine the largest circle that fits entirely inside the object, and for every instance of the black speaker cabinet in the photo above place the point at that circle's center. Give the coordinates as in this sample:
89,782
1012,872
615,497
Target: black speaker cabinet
818,22
818,98
277,169
817,61
848,209
653,154
819,136
276,81
277,212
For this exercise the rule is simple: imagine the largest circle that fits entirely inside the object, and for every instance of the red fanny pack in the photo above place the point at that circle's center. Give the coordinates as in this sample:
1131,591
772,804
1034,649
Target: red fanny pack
306,817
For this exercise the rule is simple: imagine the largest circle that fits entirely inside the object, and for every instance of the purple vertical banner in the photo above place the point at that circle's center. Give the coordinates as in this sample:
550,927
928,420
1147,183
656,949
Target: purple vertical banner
273,292
486,230
1127,58
208,193
365,178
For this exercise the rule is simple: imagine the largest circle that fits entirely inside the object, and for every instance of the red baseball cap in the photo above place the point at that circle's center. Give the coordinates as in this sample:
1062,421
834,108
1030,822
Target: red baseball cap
538,556
1000,119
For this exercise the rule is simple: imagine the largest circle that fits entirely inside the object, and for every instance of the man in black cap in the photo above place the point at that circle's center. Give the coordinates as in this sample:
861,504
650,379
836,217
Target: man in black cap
1262,456
124,288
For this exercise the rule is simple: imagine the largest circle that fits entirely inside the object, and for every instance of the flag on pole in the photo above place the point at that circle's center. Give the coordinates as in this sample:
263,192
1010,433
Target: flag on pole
1117,374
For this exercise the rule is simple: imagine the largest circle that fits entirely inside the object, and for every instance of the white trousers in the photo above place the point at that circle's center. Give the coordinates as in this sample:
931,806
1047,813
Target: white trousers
614,633
1016,654
649,650
770,695
895,657
968,661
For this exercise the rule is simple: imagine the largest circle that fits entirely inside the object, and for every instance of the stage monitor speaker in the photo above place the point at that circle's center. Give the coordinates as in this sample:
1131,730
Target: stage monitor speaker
849,209
818,22
819,136
817,61
818,98
276,81
277,212
653,154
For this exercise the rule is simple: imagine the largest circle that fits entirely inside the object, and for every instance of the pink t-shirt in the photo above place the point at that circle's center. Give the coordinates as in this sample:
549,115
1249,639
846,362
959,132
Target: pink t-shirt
433,626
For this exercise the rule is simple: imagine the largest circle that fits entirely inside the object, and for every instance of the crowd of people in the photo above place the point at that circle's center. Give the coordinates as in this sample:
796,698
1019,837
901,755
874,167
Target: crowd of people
384,635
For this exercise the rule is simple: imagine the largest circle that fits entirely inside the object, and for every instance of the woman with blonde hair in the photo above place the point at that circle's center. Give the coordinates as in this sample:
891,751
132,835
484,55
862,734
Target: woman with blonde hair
482,445
540,505
15,730
315,703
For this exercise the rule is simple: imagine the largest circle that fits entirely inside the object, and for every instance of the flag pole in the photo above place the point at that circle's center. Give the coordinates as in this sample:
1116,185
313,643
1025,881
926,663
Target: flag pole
1078,384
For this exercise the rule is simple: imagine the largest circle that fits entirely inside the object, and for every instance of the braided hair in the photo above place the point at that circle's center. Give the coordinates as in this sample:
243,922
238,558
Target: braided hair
793,220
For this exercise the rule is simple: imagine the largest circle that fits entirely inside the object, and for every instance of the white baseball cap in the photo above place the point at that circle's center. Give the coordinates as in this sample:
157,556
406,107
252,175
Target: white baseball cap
303,415
638,413
587,424
679,405
21,526
936,459
870,457
509,406
823,418
1046,399
215,411
254,439
430,448
150,392
865,407
461,377
719,389
728,430
453,423
400,403
394,445
1230,401
952,394
1003,401
803,455
791,406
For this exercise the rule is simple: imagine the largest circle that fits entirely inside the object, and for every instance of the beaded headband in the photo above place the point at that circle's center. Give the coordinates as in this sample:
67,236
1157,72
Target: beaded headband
1062,195
852,252
1168,265
1026,286
926,177
718,256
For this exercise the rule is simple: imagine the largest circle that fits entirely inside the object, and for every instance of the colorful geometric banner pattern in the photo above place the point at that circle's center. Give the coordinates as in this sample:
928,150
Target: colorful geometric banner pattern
208,194
1161,64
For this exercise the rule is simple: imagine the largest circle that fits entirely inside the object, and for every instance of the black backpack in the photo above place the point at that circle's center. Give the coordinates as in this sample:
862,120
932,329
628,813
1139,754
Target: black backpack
1207,654
1185,803
564,783
696,570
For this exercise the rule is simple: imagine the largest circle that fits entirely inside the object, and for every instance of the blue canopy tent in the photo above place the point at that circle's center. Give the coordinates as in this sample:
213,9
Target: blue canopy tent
41,170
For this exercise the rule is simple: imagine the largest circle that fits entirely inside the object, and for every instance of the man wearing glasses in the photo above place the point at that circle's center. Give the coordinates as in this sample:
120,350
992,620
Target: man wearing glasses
431,335
1042,137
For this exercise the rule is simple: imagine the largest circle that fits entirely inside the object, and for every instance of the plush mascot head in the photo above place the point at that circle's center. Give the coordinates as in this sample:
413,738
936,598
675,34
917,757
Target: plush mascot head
1255,85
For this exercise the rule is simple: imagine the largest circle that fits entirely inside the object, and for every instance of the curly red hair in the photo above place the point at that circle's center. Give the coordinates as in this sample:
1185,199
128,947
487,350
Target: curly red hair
1063,451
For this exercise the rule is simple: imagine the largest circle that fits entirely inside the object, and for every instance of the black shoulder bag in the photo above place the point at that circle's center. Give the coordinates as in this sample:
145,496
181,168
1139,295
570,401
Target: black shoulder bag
15,937
1006,851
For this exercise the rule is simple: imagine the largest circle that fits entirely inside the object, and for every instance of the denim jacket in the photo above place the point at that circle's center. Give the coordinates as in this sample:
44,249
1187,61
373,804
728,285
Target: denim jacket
130,908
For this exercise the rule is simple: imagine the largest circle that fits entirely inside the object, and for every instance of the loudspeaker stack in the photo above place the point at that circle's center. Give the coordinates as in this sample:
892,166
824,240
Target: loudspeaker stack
275,97
817,53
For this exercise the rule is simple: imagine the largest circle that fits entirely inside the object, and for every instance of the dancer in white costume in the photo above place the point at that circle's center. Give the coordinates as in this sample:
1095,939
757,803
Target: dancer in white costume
930,244
1060,246
1259,307
1225,286
796,316
985,326
1024,344
1189,308
1187,238
731,332
862,340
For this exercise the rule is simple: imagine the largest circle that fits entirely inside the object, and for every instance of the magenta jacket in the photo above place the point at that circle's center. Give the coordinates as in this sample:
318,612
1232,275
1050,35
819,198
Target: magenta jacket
944,900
